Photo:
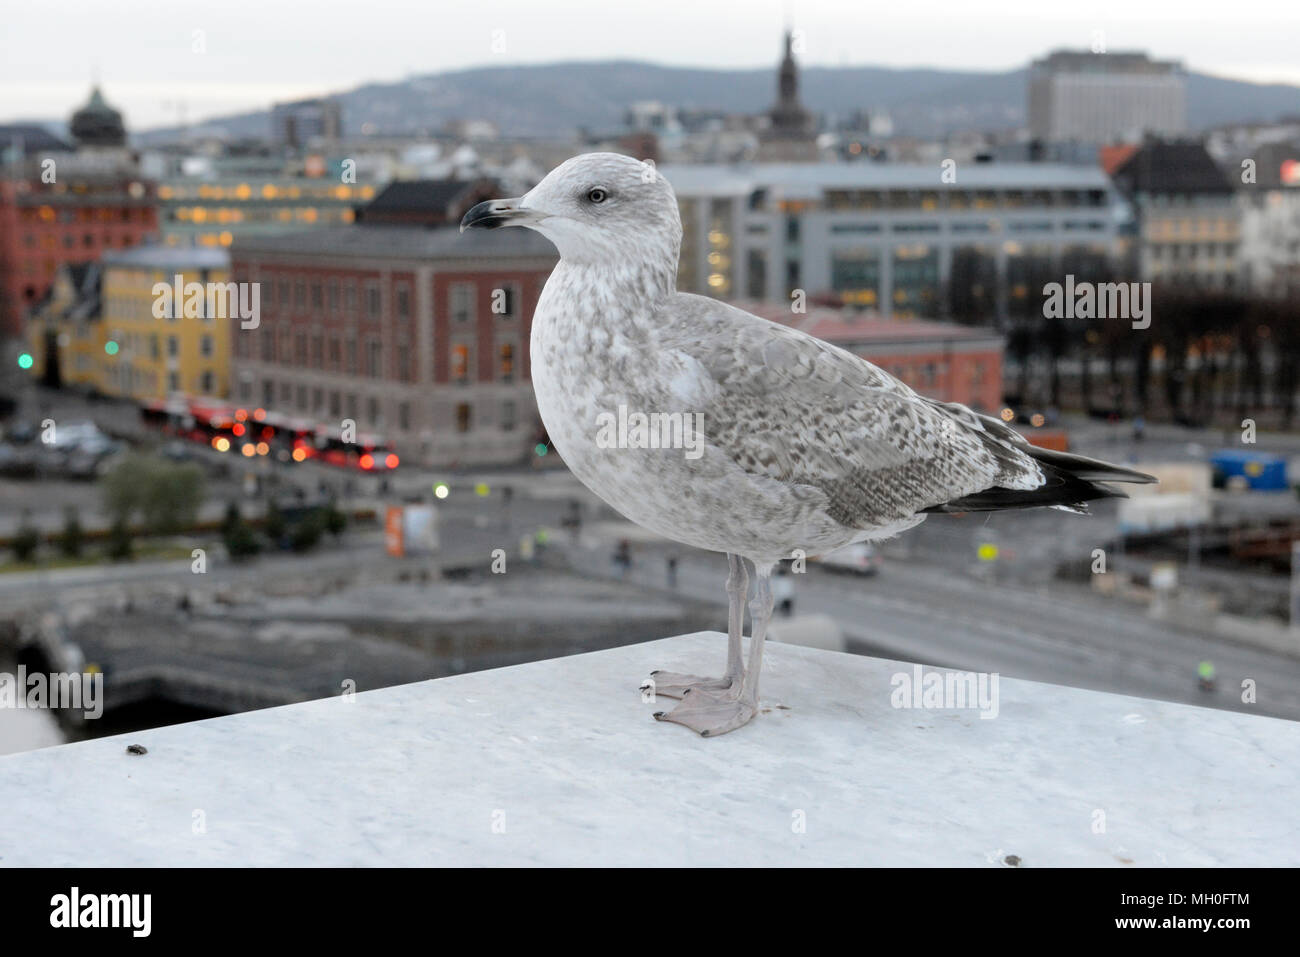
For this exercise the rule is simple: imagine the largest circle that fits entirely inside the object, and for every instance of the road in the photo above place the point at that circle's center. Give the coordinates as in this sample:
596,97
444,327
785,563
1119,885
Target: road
926,606
1061,634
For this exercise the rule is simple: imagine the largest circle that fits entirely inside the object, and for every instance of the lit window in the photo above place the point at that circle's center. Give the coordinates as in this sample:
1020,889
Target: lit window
460,364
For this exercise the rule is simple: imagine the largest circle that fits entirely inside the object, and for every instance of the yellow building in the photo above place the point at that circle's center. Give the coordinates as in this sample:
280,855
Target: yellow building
64,335
153,347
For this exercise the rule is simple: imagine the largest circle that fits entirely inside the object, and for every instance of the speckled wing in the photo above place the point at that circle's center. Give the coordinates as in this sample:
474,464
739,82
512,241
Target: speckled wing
786,405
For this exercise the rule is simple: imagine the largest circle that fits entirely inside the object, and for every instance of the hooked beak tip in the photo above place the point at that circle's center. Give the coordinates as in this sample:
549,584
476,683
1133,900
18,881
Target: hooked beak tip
492,214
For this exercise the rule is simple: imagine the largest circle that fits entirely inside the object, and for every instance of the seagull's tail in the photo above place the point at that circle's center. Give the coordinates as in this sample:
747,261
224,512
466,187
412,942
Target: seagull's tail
1070,482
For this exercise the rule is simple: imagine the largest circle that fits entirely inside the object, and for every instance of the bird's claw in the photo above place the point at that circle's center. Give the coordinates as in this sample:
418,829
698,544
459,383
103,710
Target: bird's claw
670,684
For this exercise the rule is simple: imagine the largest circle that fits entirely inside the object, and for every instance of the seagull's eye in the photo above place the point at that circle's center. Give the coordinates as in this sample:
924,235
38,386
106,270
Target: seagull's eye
597,195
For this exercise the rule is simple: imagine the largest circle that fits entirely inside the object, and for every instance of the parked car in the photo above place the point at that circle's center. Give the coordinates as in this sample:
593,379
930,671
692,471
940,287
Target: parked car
17,461
862,558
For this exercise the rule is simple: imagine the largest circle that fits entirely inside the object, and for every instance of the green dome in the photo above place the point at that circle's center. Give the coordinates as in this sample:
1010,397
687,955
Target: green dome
97,123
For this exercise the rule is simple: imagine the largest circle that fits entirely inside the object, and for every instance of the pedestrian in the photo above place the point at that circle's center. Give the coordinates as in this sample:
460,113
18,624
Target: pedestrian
672,572
623,557
783,590
573,520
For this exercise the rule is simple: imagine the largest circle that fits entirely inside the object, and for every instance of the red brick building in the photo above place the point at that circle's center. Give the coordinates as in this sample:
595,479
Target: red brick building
944,361
419,336
45,225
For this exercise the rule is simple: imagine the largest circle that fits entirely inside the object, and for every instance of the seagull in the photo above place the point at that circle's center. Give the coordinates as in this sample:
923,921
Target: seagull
779,444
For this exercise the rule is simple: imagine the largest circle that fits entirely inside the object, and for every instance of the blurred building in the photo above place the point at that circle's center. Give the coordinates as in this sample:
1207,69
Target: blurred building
790,136
100,330
941,360
215,211
22,141
891,237
1105,97
65,337
68,207
418,335
302,122
1188,221
97,125
1270,217
422,202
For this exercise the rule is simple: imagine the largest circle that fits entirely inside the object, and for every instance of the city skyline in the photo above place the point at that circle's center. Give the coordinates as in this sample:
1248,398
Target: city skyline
208,71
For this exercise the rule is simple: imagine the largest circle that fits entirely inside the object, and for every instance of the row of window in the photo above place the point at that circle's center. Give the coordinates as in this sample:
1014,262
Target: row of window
88,240
139,342
129,380
347,355
1176,251
33,266
87,214
268,191
981,226
334,404
339,297
954,198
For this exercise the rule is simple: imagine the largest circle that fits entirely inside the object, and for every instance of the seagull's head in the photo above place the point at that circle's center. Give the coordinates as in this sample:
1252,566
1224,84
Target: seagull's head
596,208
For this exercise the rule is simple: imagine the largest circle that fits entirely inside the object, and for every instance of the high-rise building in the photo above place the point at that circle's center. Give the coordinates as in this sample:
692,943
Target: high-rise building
299,123
1105,97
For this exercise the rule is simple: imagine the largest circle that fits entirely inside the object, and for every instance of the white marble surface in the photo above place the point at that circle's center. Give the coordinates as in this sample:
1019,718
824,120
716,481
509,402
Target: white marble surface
565,755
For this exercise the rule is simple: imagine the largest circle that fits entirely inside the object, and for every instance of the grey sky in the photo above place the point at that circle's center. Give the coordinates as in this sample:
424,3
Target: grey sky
258,51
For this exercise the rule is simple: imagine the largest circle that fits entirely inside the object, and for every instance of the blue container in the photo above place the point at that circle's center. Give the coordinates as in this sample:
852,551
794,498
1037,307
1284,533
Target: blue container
1262,472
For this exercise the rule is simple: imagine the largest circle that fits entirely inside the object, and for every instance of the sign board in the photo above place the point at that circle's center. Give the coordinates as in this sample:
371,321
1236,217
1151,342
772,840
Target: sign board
394,540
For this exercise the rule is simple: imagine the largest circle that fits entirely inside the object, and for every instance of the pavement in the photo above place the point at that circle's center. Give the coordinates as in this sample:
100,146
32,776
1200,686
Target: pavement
560,763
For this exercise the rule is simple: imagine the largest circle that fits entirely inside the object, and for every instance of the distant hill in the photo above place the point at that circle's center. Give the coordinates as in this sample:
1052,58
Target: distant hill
563,97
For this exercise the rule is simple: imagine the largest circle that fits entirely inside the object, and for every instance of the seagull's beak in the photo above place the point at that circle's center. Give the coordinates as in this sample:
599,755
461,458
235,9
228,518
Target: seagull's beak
498,212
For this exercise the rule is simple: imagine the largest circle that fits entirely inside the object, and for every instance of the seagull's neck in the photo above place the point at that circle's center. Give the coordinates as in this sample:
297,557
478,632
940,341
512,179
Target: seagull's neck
583,298
630,280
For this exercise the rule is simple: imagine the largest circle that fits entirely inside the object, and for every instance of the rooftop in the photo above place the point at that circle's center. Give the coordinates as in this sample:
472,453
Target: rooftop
30,139
706,179
559,762
168,257
409,242
1117,61
1172,166
430,195
841,325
